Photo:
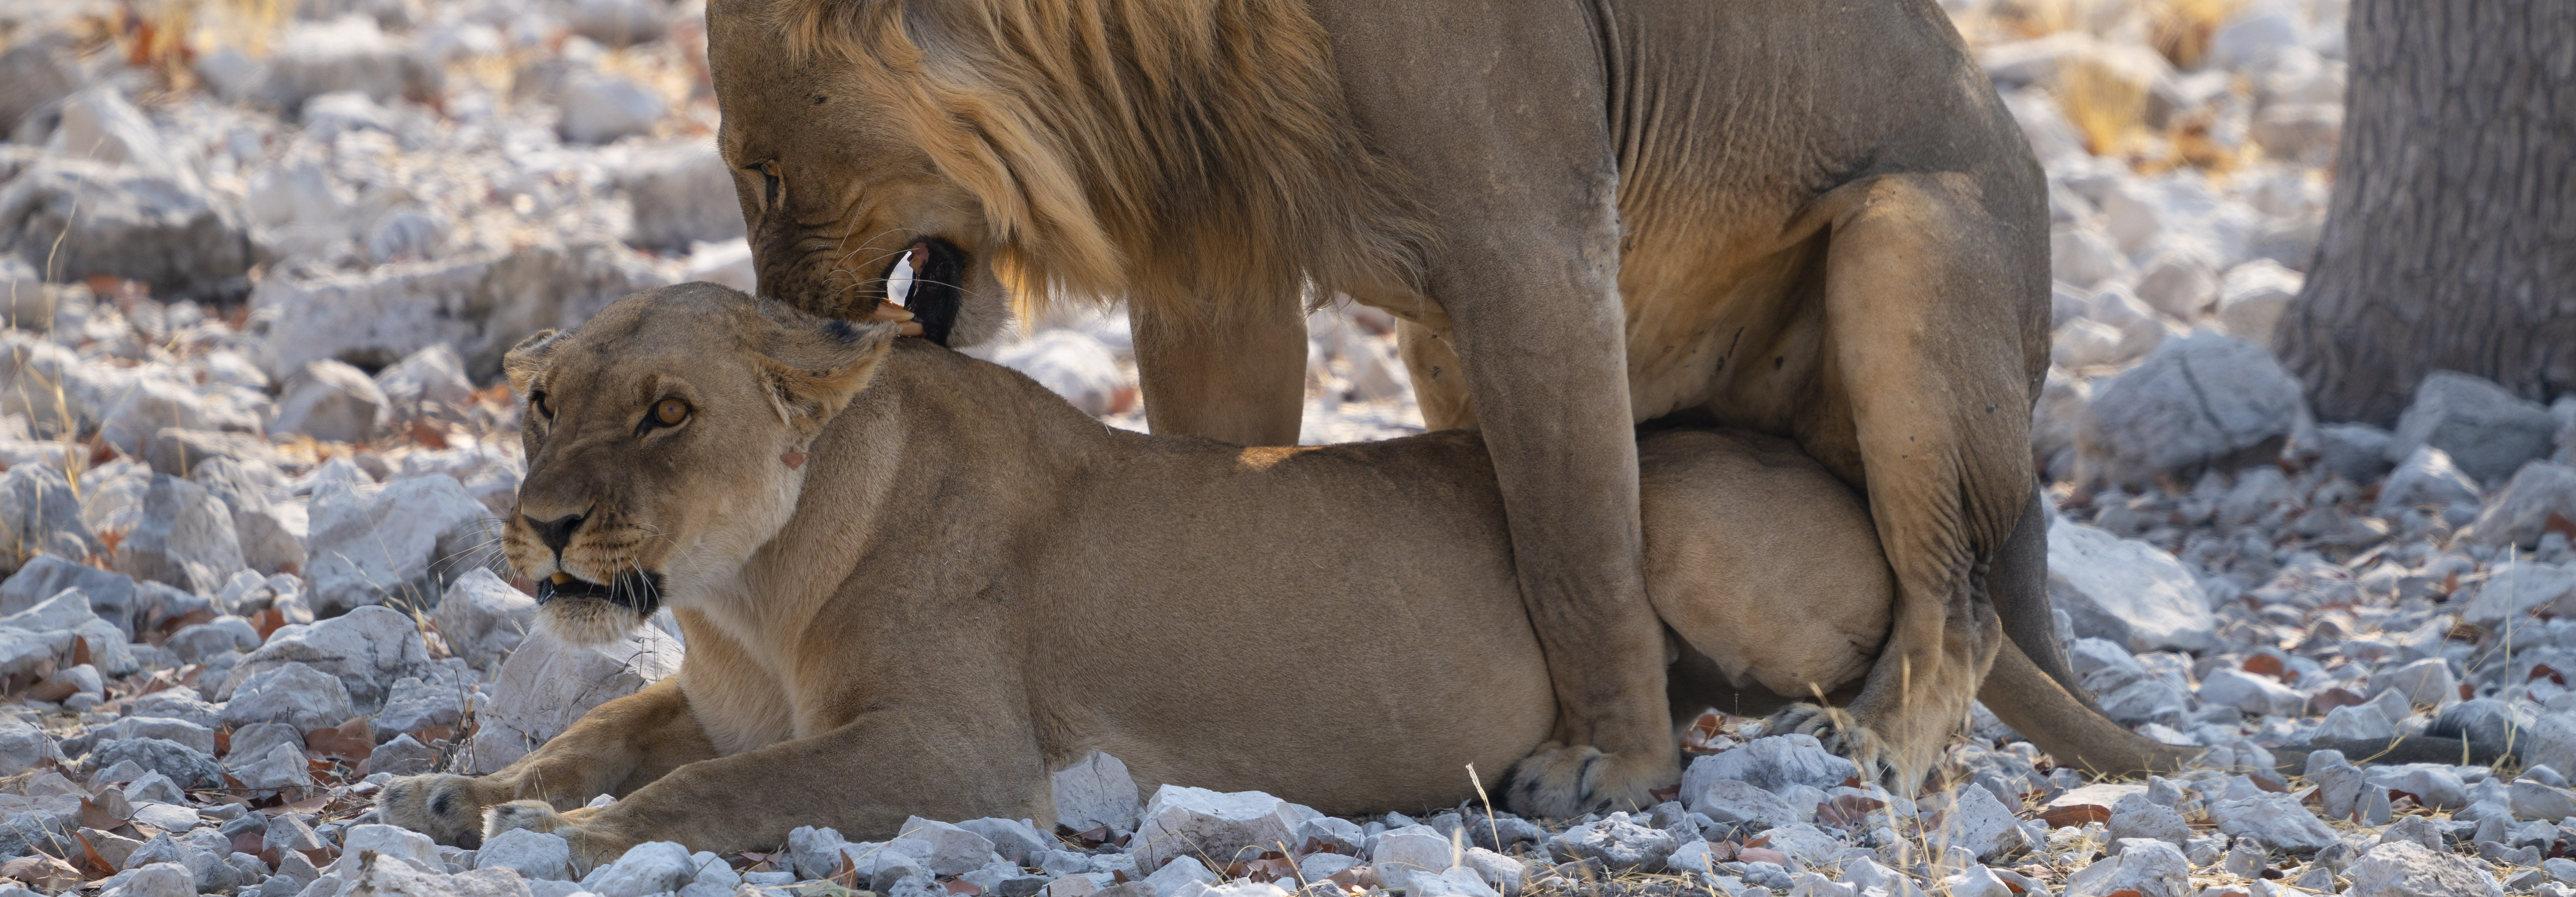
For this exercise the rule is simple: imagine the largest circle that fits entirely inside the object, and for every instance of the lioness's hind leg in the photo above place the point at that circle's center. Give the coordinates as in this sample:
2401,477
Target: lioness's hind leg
1560,780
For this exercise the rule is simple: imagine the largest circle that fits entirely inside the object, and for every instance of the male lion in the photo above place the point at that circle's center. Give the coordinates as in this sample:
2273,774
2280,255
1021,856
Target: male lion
1811,220
970,584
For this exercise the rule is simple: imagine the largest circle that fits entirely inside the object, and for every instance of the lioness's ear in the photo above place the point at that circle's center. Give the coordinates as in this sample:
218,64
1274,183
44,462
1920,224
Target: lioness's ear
815,370
524,360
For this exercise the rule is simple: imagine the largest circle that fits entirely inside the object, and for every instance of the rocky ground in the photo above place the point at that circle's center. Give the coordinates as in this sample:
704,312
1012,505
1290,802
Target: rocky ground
261,259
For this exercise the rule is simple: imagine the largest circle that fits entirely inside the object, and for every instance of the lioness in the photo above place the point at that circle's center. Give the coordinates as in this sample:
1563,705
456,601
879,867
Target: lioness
914,582
1812,220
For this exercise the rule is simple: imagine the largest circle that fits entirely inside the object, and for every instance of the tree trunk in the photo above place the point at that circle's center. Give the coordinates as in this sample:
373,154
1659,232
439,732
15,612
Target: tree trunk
2451,239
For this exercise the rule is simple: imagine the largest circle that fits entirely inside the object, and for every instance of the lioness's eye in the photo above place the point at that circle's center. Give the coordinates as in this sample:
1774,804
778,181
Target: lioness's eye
543,407
670,412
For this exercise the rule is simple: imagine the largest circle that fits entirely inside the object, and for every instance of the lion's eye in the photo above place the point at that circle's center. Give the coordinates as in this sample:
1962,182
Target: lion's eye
670,412
769,182
543,407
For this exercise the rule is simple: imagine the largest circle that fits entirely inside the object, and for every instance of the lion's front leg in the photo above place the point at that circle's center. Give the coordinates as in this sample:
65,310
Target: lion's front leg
615,747
1936,331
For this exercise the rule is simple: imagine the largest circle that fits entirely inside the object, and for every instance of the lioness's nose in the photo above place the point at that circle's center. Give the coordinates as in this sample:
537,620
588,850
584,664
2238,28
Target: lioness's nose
556,533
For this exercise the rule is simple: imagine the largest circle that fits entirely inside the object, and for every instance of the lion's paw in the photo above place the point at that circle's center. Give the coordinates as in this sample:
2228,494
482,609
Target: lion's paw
590,845
1838,733
1562,780
444,807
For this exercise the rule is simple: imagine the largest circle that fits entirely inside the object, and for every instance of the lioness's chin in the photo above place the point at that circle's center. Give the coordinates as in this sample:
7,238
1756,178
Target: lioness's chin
588,622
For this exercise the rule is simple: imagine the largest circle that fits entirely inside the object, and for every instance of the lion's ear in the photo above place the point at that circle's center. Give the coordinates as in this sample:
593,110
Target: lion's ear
815,370
530,356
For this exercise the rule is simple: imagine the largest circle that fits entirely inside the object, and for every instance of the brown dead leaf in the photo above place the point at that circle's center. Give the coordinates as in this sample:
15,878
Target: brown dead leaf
98,865
2265,664
2558,523
268,621
54,688
2545,671
80,651
1762,855
352,741
223,742
2076,815
428,434
2332,698
1849,809
434,734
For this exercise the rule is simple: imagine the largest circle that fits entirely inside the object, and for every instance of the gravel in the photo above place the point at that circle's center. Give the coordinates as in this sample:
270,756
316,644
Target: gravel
253,442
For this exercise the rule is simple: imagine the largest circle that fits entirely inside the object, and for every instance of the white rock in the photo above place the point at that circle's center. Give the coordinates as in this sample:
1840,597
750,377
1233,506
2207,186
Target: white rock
682,194
2124,590
953,849
1096,791
1012,839
2278,820
2425,683
483,619
547,684
2178,283
90,219
2426,478
367,649
2146,867
283,766
1071,364
186,538
1728,800
1413,849
2256,695
1456,882
2202,402
23,745
1195,821
329,401
371,544
652,867
435,374
384,840
1771,763
1172,877
2251,42
40,512
481,303
1620,842
2300,132
2407,869
2537,800
158,880
600,108
2357,452
2518,588
2355,723
2488,432
2085,256
291,693
2520,514
2252,297
1982,824
309,59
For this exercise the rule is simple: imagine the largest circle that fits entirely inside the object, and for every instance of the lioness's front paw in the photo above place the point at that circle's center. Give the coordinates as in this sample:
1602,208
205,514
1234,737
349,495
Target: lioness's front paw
590,845
1839,734
444,807
1562,780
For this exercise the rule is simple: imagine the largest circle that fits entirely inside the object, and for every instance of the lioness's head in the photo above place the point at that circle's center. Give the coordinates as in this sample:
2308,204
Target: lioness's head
668,435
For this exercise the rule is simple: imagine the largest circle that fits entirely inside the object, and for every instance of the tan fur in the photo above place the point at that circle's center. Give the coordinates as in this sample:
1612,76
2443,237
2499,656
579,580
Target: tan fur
976,584
1589,215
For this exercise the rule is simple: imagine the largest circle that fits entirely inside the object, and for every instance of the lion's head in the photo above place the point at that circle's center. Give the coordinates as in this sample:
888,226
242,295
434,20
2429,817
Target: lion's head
668,442
1177,152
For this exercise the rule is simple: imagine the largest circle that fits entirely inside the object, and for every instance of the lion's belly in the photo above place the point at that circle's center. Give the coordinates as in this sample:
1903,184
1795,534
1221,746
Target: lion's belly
1732,333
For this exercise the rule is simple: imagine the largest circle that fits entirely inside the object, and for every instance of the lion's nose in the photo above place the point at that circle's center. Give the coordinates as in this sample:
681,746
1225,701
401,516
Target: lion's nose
556,533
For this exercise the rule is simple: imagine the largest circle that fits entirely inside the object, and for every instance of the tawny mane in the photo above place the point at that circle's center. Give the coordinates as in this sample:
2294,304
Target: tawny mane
1194,154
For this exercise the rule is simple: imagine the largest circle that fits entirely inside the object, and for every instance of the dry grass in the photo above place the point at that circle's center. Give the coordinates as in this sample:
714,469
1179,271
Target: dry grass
2033,18
2106,108
2183,27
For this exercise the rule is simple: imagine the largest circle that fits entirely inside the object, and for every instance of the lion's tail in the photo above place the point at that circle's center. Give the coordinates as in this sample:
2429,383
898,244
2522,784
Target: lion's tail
2041,700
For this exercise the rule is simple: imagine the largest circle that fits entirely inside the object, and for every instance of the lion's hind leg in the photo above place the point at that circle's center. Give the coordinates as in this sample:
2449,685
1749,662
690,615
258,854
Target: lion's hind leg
1935,334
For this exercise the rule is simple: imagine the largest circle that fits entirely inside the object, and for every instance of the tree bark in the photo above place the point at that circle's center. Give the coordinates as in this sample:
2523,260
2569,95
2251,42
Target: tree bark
2451,239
